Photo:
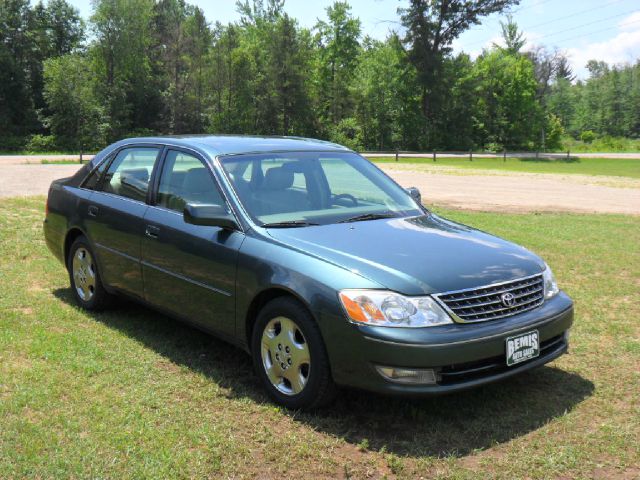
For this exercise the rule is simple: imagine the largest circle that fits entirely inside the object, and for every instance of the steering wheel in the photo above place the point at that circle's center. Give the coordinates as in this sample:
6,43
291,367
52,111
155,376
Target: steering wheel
347,196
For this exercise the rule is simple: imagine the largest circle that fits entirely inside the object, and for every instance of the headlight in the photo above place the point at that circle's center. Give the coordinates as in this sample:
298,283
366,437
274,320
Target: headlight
550,286
390,309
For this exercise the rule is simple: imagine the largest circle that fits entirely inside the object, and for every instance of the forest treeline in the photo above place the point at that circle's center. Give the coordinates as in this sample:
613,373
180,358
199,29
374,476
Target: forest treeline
140,67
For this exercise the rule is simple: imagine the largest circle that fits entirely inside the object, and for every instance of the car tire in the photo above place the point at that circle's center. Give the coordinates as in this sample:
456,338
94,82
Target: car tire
289,356
84,276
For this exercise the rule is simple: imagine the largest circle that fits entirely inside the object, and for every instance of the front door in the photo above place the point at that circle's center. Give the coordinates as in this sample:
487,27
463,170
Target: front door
189,269
114,216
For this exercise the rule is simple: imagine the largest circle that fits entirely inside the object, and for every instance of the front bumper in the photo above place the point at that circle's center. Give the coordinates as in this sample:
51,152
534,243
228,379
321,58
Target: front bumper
463,355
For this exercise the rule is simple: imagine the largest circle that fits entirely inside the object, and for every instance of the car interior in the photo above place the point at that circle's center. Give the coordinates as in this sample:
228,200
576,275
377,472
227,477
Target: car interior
273,189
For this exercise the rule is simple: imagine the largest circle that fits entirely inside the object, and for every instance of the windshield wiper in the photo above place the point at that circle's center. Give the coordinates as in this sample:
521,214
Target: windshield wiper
368,216
289,224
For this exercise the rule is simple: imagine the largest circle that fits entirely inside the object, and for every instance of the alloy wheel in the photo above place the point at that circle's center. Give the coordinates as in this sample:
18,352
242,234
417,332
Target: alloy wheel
84,274
285,356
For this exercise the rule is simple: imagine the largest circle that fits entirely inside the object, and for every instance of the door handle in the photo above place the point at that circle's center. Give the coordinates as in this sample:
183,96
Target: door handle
93,211
152,231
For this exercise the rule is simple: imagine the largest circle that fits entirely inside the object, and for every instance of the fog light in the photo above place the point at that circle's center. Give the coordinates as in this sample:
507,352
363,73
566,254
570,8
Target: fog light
409,376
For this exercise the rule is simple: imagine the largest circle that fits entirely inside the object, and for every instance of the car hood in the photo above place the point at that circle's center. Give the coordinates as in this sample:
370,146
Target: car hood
417,255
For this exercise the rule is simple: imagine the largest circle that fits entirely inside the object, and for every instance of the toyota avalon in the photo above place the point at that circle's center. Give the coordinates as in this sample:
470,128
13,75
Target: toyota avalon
311,259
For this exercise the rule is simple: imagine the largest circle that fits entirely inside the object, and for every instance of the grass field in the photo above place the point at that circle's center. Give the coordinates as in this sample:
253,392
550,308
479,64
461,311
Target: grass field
61,162
132,394
622,167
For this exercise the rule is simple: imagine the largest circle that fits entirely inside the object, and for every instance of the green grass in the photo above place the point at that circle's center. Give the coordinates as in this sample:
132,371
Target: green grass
602,144
47,152
622,167
61,162
130,393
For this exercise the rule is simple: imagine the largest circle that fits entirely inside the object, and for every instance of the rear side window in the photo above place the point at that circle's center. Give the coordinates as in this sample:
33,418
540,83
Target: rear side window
93,179
129,173
185,179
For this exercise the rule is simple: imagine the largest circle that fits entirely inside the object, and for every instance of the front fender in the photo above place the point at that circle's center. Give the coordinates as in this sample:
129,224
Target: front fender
264,265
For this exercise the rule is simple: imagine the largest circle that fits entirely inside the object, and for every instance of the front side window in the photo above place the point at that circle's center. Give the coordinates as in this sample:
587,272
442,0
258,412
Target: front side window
129,173
185,179
314,187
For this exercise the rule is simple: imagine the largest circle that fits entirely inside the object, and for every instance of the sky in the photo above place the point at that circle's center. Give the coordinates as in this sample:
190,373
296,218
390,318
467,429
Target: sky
606,30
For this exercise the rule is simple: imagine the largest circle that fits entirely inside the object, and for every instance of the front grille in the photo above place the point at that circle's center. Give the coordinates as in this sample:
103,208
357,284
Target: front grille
464,372
487,303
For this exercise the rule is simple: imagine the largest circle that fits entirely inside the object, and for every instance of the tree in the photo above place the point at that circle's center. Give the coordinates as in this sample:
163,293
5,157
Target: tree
431,26
339,49
255,12
231,70
54,30
512,37
63,26
510,116
181,41
78,119
17,113
122,62
290,53
562,102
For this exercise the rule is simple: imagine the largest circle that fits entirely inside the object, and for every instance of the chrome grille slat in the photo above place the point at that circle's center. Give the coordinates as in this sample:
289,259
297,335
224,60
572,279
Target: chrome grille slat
481,304
486,303
480,295
504,308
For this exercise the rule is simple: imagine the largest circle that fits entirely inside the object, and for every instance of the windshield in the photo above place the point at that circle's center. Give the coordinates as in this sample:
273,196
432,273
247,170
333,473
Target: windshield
307,188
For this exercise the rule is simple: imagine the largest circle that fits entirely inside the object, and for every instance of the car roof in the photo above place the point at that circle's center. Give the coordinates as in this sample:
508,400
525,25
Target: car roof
238,144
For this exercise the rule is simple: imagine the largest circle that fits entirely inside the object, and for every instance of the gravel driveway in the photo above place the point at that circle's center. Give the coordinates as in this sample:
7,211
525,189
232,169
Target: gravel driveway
504,192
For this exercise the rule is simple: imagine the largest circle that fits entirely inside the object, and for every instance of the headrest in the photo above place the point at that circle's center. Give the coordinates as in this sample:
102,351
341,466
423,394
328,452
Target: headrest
176,179
295,167
197,180
138,173
277,178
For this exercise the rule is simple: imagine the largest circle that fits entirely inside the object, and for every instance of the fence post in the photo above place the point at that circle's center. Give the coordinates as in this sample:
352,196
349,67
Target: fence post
80,154
471,155
397,155
434,155
537,154
568,154
504,155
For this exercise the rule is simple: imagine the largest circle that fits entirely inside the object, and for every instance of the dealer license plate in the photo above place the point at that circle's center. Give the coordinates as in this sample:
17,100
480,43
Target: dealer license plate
522,347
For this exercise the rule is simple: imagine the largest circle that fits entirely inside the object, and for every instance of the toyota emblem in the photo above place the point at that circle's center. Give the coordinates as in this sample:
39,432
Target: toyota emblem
508,299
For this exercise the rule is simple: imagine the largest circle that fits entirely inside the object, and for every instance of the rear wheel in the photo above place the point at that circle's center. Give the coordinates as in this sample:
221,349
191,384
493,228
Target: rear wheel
84,276
289,356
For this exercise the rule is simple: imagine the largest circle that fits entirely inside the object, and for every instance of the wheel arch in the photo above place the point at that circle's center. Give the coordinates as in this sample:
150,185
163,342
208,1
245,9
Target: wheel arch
69,238
261,299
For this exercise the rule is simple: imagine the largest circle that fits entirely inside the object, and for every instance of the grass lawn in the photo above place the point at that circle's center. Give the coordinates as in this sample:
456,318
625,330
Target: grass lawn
62,162
132,394
622,167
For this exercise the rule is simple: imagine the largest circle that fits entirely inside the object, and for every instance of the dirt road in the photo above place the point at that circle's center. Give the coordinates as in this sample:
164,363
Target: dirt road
498,155
37,159
504,192
521,192
19,180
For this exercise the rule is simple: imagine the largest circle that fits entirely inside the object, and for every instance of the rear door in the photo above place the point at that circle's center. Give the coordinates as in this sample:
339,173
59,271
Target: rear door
189,270
114,217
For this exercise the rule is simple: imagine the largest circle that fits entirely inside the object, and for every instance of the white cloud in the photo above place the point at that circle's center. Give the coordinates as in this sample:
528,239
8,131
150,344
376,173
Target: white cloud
623,48
631,22
474,50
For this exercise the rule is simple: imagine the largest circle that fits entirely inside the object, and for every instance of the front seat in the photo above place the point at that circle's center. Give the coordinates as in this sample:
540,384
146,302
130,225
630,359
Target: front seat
276,194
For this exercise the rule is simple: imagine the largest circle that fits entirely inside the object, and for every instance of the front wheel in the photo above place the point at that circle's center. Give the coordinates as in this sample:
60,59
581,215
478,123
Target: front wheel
289,356
84,276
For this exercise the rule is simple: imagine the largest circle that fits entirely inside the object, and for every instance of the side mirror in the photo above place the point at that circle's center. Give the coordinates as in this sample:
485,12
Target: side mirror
209,216
415,194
